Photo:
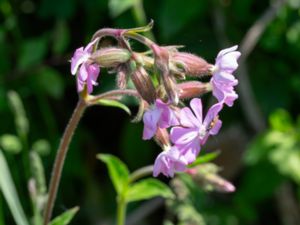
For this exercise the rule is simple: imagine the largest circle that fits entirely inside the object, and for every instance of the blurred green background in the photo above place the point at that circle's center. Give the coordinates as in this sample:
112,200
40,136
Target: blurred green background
260,139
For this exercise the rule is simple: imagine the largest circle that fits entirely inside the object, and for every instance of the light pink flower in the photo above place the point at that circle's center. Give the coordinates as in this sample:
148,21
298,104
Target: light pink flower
168,162
194,131
223,81
87,73
159,115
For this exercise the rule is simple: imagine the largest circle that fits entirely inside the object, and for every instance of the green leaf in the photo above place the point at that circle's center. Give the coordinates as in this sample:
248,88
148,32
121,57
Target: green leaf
117,7
18,110
42,147
148,188
61,38
281,120
8,189
114,103
32,52
205,158
11,143
118,171
49,81
65,218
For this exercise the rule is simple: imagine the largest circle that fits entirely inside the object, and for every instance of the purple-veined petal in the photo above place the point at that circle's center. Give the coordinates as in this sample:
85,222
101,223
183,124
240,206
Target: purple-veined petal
182,136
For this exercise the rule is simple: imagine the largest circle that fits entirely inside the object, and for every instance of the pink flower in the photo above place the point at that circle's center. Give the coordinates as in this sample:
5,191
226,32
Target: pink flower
194,131
168,162
159,115
87,73
223,81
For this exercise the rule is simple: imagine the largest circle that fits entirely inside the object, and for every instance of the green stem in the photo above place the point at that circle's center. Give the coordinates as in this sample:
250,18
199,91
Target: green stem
140,173
121,213
93,99
60,158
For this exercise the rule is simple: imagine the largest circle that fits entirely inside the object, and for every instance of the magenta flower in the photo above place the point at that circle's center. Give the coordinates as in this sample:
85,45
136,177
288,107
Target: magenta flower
168,162
194,131
87,72
159,115
223,81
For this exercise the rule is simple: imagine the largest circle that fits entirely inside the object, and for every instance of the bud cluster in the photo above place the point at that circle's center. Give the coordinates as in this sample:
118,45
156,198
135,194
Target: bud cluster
180,131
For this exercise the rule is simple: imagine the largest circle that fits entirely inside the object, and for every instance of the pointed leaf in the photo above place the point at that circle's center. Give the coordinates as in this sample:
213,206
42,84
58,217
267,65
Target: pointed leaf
118,171
65,218
114,103
148,188
205,158
8,189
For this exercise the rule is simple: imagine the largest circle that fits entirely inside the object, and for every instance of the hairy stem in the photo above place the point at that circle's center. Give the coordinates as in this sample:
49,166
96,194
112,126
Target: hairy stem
60,158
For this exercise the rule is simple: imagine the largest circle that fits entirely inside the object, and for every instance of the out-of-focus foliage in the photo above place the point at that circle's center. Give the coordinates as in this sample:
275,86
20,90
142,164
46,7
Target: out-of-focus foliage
37,39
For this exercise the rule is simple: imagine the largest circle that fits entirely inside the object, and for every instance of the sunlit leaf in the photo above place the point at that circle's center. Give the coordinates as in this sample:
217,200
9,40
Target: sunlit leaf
205,158
114,103
65,218
118,171
148,188
11,143
9,192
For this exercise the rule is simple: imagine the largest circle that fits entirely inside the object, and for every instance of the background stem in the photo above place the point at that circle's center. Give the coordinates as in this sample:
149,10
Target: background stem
60,158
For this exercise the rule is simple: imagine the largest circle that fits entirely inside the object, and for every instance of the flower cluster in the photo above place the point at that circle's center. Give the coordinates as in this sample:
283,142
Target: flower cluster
180,131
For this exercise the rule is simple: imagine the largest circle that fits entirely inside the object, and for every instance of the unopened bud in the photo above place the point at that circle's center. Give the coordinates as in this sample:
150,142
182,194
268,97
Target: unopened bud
162,137
143,84
191,64
161,62
192,89
205,175
110,57
122,76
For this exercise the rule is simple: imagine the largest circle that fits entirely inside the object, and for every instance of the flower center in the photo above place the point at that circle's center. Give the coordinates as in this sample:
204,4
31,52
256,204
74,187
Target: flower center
202,131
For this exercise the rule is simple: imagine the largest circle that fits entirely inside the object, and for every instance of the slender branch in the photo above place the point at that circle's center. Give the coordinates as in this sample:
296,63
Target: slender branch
93,99
60,158
256,30
140,173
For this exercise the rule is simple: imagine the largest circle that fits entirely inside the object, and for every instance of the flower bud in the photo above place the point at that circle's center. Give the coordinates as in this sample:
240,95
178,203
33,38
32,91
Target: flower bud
110,57
192,89
205,175
122,76
162,137
143,84
161,62
192,65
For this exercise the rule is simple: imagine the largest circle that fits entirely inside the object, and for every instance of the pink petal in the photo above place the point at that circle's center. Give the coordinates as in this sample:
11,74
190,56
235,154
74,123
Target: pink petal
212,113
196,105
188,119
89,47
226,50
77,59
182,136
83,72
